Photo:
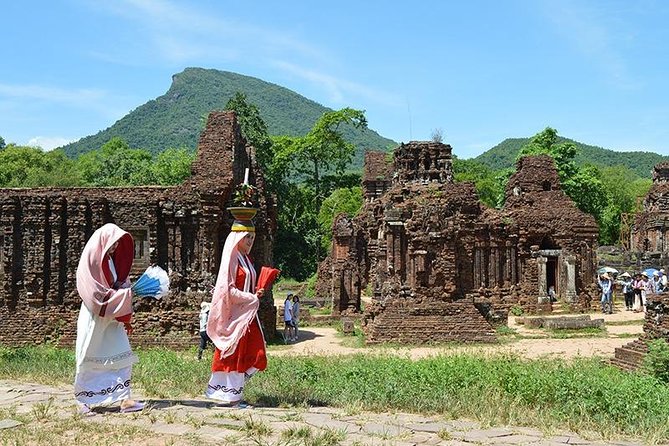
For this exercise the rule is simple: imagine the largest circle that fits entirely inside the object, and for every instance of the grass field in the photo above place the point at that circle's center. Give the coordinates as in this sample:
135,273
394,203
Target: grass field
581,395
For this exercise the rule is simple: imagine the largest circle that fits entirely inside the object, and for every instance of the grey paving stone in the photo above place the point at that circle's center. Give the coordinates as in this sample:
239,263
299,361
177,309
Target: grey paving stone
545,442
216,421
422,438
325,420
428,427
415,418
386,430
171,428
464,425
518,439
8,423
324,409
281,426
528,431
485,435
32,398
217,434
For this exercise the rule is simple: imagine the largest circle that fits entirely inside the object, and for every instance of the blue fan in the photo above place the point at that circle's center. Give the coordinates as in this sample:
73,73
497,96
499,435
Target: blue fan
153,283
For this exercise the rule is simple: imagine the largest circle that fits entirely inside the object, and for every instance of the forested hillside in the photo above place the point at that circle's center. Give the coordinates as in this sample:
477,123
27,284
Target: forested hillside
504,154
176,119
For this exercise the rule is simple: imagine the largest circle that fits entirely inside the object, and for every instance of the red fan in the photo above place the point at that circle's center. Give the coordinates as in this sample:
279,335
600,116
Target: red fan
266,277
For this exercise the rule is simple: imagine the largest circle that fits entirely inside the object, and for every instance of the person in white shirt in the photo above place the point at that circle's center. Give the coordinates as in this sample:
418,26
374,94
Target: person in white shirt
663,279
204,337
289,327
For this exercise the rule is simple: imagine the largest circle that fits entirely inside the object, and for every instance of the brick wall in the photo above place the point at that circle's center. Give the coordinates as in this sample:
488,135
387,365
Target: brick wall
181,228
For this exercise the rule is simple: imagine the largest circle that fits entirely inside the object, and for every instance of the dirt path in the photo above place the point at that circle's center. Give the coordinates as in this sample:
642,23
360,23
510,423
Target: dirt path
326,341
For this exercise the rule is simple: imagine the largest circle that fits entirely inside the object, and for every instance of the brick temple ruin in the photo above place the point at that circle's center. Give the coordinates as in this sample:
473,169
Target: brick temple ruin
650,231
442,266
181,228
649,247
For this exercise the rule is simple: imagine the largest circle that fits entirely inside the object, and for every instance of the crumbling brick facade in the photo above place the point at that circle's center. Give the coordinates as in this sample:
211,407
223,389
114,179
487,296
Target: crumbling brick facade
650,231
442,266
181,228
631,356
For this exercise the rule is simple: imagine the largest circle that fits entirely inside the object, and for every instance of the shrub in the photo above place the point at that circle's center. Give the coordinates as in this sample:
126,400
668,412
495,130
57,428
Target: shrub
656,362
517,310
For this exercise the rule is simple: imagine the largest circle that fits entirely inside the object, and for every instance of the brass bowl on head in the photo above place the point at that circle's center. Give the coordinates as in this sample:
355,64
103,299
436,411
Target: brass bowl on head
243,213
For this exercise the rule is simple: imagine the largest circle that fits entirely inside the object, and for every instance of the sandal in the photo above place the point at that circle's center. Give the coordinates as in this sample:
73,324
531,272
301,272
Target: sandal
242,405
136,407
85,410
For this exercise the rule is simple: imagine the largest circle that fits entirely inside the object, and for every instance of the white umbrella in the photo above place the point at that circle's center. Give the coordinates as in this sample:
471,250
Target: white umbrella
607,269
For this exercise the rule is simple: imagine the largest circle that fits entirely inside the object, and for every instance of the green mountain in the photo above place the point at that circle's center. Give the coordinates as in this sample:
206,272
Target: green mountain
504,154
176,118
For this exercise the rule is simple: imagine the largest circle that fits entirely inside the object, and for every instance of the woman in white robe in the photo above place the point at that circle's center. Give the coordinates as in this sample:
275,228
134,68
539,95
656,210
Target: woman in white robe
103,354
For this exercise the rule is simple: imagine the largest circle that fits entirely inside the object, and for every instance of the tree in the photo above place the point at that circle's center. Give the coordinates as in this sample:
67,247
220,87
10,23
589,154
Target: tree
346,200
253,128
488,187
624,189
323,150
583,185
296,251
31,167
2,143
546,143
116,164
305,170
172,166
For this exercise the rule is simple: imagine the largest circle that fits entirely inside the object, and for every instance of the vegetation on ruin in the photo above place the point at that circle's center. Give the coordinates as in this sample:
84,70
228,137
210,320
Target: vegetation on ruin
308,175
583,395
603,190
604,193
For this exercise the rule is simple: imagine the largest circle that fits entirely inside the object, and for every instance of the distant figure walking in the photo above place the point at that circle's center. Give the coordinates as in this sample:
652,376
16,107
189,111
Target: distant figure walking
289,327
639,287
296,315
628,290
606,285
204,337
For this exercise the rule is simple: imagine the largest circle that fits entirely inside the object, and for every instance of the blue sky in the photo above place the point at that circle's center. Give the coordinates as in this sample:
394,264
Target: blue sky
478,70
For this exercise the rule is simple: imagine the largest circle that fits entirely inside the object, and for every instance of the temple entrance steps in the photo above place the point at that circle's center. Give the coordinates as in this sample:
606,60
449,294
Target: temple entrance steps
630,356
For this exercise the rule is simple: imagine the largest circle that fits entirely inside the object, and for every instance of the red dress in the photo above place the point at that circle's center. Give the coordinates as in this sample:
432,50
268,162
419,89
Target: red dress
250,351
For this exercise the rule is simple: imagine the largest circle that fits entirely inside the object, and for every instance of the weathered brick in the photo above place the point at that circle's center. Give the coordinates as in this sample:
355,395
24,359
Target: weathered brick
182,228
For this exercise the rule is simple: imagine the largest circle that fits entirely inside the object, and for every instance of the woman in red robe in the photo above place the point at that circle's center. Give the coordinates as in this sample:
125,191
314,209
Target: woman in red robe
233,324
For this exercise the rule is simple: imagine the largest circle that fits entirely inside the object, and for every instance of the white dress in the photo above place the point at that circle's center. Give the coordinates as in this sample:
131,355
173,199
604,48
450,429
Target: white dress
104,358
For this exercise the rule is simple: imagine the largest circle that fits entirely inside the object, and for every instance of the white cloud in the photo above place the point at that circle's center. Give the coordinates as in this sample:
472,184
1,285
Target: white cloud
48,142
185,34
78,97
340,90
90,99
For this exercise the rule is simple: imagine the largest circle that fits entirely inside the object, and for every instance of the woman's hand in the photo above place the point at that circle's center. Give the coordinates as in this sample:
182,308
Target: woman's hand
260,293
128,328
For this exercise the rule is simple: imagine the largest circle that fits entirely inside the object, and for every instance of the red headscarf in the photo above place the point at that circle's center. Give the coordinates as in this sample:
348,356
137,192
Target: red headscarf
94,279
232,309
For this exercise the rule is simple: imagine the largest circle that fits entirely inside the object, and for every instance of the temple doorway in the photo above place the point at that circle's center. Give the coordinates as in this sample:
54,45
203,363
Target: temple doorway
552,274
